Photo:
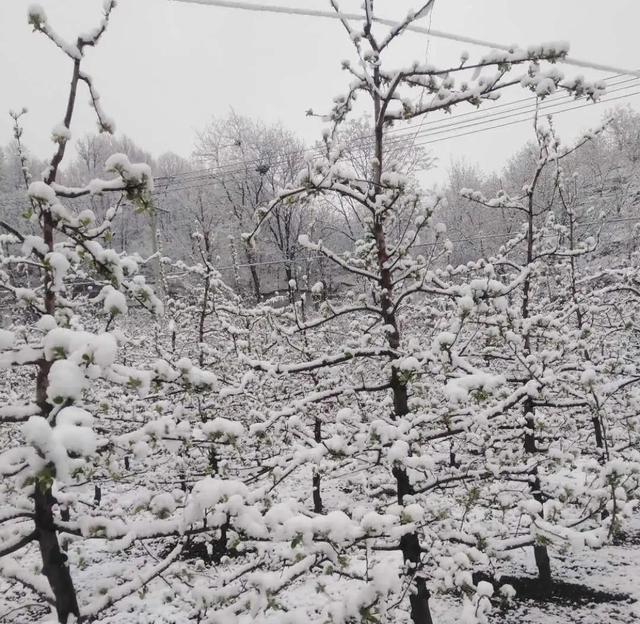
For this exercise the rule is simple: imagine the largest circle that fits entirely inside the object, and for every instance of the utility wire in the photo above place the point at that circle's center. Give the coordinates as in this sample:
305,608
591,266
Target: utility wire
427,128
266,8
518,121
215,180
215,175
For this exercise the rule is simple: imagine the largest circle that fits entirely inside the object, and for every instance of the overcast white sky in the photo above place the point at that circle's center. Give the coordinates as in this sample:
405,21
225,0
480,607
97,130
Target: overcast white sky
165,67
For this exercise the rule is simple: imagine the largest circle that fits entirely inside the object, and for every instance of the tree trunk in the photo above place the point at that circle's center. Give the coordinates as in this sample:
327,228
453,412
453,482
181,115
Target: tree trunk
410,543
317,498
540,552
419,599
202,319
255,277
155,250
597,428
410,547
234,260
54,561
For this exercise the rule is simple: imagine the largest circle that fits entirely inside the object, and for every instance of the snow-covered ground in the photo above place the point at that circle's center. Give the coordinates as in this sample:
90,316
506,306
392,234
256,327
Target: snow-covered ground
613,569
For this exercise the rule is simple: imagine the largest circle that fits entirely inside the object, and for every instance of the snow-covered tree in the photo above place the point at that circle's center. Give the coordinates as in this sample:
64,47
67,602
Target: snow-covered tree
408,429
548,338
53,451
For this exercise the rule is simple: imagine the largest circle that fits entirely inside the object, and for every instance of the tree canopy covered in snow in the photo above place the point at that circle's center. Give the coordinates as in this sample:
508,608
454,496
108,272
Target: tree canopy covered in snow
386,430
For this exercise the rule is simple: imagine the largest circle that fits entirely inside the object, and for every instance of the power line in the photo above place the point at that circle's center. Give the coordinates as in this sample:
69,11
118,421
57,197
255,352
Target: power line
518,121
427,134
442,128
446,128
527,108
266,8
428,127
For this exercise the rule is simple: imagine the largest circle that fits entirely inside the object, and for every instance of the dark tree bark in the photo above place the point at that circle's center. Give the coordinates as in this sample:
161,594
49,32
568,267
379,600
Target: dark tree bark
317,496
54,561
255,276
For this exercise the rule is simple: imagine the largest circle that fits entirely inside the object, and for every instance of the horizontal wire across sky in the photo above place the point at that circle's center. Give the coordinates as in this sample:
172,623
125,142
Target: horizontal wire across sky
211,175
